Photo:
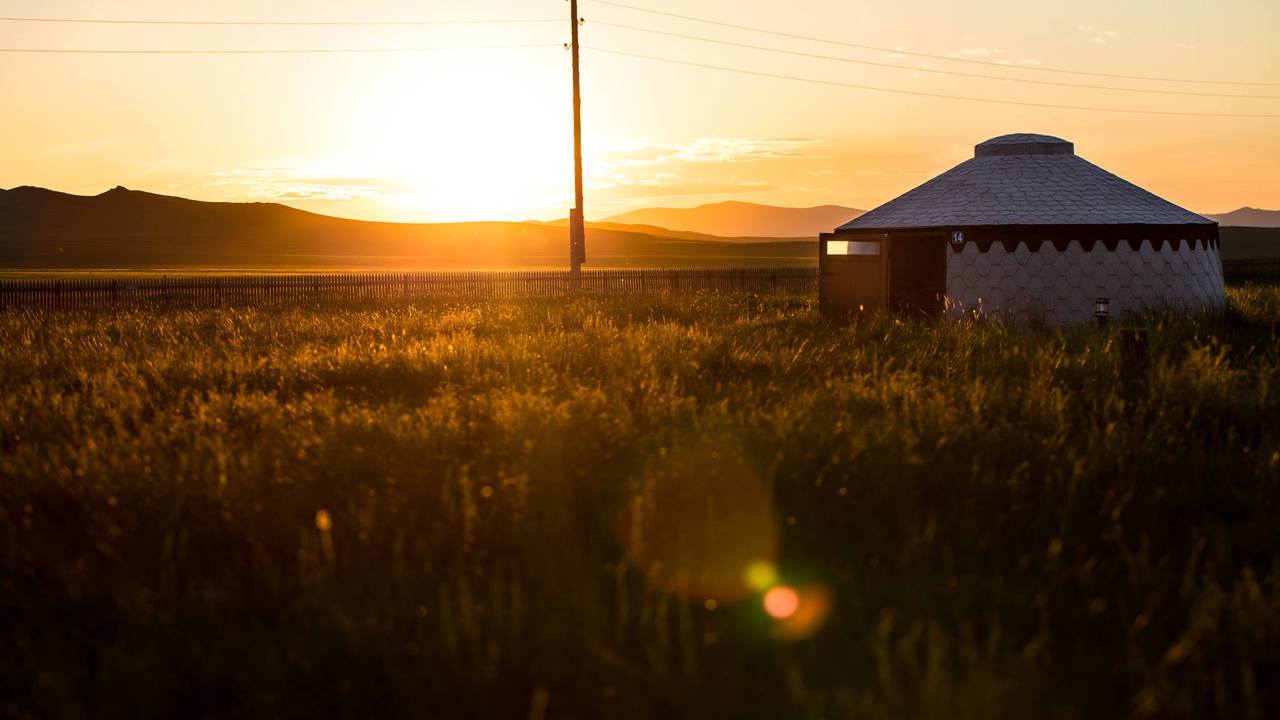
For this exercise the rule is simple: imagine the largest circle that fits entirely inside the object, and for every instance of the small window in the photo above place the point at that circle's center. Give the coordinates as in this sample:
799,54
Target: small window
853,247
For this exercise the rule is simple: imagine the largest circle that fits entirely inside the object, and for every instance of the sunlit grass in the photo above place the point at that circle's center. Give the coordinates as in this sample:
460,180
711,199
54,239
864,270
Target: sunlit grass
611,506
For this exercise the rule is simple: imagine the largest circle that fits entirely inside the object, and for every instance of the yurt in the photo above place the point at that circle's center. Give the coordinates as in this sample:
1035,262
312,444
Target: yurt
1025,230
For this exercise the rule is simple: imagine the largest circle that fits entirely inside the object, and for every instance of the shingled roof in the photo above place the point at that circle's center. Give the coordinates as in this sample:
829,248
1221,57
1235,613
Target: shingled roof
1025,179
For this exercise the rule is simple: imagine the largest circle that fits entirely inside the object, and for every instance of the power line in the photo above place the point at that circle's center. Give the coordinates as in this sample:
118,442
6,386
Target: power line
277,23
299,51
925,94
948,58
525,21
928,70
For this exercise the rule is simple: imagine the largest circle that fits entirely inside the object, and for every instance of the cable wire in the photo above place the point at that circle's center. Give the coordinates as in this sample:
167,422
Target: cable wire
858,46
926,94
928,70
299,51
278,23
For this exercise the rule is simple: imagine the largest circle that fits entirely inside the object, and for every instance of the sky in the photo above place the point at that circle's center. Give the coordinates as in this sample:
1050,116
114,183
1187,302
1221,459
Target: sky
477,129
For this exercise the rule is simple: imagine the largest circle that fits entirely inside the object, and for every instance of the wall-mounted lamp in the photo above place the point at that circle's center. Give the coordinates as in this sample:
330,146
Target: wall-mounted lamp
1102,310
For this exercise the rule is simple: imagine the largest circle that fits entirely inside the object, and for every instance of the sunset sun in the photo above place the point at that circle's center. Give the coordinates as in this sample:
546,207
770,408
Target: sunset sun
464,137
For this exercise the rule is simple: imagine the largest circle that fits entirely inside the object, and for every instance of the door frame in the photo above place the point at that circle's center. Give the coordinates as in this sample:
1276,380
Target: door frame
827,262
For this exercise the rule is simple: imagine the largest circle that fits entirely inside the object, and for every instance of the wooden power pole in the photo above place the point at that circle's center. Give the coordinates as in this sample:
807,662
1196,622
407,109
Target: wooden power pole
577,226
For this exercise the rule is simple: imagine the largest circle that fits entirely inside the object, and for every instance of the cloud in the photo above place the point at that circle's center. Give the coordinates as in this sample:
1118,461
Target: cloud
616,198
666,184
979,52
715,150
286,184
632,173
744,149
1096,35
696,189
926,70
895,173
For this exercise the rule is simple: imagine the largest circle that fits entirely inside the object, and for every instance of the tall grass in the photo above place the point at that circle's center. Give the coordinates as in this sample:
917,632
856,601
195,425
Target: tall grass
545,509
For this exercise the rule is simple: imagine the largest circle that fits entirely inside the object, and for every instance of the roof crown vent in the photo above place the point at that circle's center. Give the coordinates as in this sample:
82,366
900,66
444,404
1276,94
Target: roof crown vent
1024,144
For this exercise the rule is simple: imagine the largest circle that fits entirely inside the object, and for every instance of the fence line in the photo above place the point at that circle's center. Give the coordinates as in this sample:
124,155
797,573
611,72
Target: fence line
213,291
1268,269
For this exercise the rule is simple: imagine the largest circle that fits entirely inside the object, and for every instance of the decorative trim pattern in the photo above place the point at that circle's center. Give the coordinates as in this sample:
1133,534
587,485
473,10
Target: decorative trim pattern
1058,282
1110,237
1034,237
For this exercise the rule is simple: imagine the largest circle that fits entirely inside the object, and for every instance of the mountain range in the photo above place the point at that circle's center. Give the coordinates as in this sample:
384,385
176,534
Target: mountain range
124,228
1248,217
735,219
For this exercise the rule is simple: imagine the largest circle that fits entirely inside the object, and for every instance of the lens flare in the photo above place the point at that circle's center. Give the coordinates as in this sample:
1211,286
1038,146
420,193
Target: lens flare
699,517
761,575
797,612
781,602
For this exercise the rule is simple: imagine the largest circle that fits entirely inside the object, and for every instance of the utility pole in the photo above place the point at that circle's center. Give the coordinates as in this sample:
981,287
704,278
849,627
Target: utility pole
577,227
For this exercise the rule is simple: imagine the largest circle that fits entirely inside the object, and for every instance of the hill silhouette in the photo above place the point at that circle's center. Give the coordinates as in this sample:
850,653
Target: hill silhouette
1248,217
130,229
124,228
732,218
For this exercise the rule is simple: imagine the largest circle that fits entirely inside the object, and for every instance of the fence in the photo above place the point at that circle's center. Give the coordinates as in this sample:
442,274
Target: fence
211,291
1251,269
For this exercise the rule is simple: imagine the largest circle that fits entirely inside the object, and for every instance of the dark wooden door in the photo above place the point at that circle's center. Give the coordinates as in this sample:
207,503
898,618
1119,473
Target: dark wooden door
917,273
854,279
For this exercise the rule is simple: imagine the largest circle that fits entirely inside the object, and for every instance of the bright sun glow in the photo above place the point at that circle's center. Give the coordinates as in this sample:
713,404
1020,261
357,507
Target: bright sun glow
464,144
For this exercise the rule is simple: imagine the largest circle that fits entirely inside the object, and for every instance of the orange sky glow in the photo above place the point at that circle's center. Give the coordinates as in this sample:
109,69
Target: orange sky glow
468,134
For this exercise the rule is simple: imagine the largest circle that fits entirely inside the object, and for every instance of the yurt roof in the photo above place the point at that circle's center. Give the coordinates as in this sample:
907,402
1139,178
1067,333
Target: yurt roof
1025,179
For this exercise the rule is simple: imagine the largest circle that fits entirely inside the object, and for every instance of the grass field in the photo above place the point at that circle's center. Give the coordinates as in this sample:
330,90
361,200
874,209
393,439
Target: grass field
574,508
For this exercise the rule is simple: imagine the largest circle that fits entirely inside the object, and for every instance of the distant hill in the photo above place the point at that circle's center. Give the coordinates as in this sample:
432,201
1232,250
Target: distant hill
1248,217
740,219
129,229
679,234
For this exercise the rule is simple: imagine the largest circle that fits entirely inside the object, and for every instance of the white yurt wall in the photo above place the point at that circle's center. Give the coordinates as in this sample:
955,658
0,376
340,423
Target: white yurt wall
1060,287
